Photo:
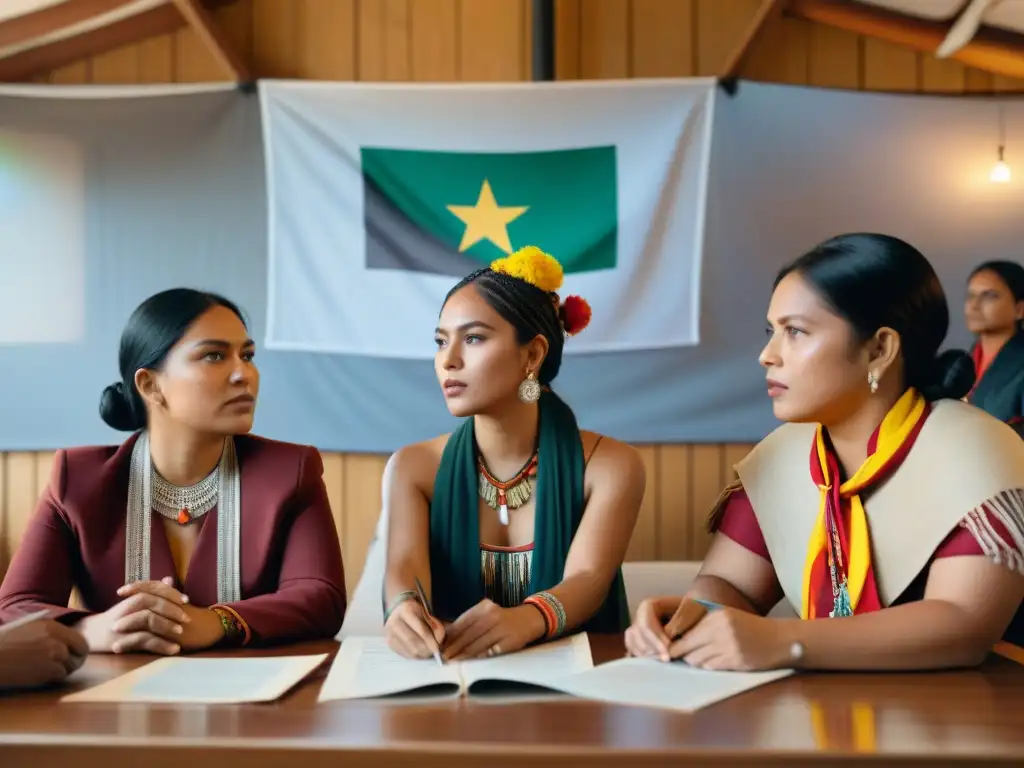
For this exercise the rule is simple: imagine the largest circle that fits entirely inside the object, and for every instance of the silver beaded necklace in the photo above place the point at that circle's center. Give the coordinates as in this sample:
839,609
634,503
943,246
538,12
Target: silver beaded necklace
148,491
185,504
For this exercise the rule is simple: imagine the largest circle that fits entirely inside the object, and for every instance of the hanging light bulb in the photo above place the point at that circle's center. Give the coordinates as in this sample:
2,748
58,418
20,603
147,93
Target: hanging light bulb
1000,173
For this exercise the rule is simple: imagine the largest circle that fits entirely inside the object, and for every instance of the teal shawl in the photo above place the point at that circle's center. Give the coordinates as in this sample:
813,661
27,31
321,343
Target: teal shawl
455,573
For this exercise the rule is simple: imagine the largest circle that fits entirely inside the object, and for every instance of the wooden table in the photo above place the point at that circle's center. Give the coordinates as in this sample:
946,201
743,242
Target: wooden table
934,719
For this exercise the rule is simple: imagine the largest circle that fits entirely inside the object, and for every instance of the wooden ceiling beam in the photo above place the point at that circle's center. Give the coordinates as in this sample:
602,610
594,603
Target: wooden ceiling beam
768,10
161,20
30,26
991,50
214,39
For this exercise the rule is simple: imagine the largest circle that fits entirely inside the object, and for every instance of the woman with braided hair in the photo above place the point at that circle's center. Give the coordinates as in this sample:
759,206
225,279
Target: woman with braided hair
516,524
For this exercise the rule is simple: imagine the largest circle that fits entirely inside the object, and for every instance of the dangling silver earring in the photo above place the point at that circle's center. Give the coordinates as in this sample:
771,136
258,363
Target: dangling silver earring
872,382
529,390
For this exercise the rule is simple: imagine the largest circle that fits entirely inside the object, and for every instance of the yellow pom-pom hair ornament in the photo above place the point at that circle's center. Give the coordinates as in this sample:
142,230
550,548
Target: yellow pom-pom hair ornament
532,265
542,270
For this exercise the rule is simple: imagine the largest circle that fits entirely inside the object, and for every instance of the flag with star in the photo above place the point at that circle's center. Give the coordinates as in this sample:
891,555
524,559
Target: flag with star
381,197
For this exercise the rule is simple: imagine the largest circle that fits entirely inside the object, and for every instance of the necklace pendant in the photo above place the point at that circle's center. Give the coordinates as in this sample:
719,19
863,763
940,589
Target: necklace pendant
184,518
500,495
502,507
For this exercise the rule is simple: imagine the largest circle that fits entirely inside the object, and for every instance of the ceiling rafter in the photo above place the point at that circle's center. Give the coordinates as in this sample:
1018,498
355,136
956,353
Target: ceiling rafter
52,18
768,10
991,49
214,38
163,19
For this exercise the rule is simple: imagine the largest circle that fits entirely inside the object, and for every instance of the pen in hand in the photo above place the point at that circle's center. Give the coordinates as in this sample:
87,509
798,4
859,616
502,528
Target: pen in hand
428,612
27,619
690,611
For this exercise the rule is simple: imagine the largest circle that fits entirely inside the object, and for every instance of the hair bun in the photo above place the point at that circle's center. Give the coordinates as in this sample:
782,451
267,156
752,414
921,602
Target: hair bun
952,377
116,411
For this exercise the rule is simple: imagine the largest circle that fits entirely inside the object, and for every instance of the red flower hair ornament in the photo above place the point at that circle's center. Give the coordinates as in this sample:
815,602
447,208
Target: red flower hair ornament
575,314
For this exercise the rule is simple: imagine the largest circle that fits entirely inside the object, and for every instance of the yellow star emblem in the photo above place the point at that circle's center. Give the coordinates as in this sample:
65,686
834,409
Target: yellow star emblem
487,220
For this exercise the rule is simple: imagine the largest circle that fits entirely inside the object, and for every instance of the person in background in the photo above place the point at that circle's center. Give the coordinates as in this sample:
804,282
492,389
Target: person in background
994,311
516,524
38,653
191,533
886,510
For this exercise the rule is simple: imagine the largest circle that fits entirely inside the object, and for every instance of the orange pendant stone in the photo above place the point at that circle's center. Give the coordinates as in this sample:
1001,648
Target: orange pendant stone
184,518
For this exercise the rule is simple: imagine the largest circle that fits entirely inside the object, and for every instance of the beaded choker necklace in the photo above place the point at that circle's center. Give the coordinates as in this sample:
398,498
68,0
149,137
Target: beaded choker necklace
511,493
185,504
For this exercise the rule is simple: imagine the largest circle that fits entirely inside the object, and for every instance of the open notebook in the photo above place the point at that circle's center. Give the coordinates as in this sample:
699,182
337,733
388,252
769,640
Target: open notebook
366,668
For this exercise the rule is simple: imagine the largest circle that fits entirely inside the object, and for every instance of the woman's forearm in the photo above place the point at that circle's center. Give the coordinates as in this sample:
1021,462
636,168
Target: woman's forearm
925,634
400,576
716,590
581,596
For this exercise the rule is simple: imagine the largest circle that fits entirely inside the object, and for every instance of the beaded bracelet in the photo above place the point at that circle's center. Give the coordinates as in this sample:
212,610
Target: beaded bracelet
236,631
401,597
551,609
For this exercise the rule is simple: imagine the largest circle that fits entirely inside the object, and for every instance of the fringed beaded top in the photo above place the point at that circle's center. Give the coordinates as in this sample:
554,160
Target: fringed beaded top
506,572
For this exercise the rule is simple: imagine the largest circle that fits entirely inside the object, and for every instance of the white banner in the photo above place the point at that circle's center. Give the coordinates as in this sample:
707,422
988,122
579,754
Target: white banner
381,196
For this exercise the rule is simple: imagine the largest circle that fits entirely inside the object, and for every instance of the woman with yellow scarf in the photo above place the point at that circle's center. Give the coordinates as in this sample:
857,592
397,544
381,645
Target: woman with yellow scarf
884,506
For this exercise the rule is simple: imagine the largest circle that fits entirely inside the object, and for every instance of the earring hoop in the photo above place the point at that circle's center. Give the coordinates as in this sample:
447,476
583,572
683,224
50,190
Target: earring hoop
872,382
529,389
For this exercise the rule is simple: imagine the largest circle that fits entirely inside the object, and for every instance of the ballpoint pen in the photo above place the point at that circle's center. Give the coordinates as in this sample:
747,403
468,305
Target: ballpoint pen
707,604
429,612
673,629
27,619
685,618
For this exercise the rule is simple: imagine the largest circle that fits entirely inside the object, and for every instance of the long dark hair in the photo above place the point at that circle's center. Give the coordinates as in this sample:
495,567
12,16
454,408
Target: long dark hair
152,330
875,281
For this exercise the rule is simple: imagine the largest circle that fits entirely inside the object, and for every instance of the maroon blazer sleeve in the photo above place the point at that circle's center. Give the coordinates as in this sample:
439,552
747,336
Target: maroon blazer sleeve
310,599
41,574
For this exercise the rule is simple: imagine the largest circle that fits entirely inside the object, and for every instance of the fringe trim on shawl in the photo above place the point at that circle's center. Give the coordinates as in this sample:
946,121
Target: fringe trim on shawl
718,510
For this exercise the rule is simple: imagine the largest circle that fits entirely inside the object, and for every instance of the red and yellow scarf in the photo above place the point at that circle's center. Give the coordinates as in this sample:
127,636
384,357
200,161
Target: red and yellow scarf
840,536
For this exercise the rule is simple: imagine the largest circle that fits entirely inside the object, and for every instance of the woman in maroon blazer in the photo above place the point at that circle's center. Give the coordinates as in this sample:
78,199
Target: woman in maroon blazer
242,548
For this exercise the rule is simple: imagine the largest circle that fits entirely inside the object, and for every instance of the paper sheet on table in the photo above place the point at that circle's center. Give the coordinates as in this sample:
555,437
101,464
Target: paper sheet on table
650,683
179,680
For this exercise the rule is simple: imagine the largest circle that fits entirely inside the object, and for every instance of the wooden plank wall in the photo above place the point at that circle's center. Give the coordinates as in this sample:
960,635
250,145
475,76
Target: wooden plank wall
446,40
399,40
